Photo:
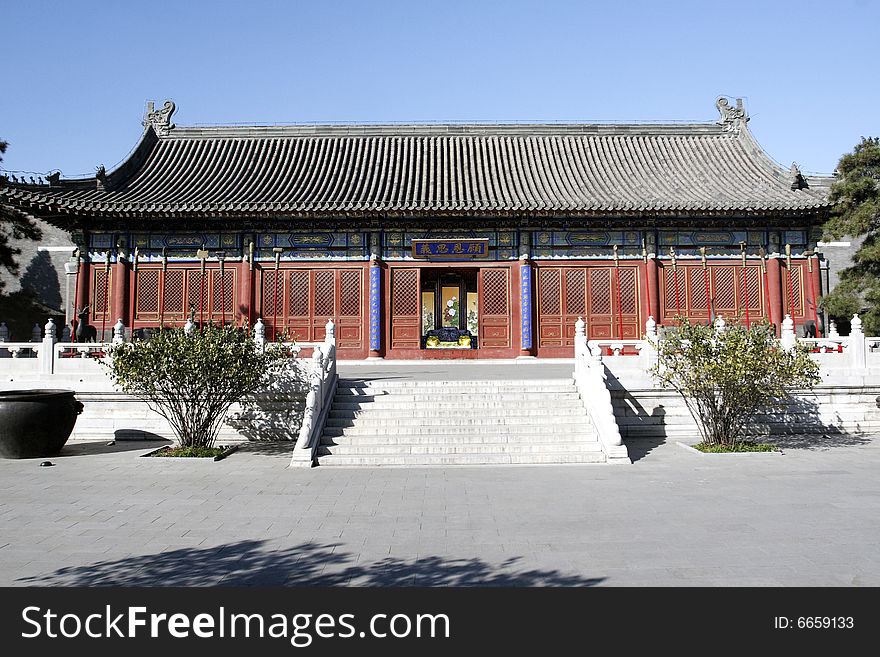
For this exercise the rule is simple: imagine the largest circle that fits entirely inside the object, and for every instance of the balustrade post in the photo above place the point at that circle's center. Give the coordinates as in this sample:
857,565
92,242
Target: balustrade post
580,345
118,332
788,338
4,332
260,333
857,351
47,351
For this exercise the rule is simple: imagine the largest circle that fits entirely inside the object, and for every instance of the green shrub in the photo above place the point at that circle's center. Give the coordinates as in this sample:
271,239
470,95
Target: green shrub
191,379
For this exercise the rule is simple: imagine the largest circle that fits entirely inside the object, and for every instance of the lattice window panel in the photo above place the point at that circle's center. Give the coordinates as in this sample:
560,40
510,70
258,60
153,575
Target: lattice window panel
698,277
600,291
406,292
223,292
753,285
670,275
271,305
325,293
495,292
197,291
299,293
576,292
628,291
349,293
173,293
550,294
100,294
796,294
725,288
147,302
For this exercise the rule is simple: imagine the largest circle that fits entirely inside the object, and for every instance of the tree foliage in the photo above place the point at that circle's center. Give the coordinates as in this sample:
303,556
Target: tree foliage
14,225
856,198
192,379
726,377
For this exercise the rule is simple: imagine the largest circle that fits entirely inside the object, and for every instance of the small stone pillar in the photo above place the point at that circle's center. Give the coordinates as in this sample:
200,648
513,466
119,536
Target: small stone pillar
330,332
47,351
857,344
260,332
189,327
118,332
720,324
36,333
788,338
4,332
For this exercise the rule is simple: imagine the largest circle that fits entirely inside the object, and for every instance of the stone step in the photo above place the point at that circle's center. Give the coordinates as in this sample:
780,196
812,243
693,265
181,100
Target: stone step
415,460
461,448
433,414
460,398
456,439
570,429
443,406
408,384
380,420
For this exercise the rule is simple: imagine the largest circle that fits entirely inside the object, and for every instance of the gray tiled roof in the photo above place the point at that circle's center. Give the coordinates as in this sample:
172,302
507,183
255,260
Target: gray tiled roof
412,170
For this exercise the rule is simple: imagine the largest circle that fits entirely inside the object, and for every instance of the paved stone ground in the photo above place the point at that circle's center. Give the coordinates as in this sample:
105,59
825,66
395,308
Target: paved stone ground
104,516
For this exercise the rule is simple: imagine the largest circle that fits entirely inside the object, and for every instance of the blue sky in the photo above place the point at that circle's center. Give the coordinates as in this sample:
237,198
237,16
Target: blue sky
76,75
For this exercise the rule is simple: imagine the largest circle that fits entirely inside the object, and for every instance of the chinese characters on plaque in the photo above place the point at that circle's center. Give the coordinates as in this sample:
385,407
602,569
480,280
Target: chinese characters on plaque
450,249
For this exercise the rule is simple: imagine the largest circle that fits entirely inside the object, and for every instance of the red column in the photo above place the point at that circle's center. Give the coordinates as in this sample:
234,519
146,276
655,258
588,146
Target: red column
119,293
774,290
815,290
245,299
653,289
84,278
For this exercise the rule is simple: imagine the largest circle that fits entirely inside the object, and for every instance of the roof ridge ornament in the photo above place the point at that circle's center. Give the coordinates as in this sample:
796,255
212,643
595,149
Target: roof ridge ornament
797,179
160,119
732,118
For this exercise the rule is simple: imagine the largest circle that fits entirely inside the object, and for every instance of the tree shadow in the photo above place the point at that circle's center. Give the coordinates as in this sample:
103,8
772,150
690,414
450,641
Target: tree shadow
276,412
253,563
41,279
799,424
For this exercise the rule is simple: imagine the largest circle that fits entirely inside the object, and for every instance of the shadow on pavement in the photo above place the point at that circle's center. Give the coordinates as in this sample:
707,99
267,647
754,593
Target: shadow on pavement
109,446
639,448
248,563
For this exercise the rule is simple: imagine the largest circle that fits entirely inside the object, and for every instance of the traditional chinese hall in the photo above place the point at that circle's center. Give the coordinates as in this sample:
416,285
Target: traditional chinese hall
440,240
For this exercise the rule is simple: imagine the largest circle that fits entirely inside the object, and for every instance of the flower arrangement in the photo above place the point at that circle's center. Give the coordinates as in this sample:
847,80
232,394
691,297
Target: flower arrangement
450,312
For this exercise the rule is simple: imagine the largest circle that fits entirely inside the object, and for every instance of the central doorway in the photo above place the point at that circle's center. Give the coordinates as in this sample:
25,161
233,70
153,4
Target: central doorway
450,309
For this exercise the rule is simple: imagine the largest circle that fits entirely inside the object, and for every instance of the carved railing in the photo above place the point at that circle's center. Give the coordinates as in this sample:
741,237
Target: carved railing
590,380
323,381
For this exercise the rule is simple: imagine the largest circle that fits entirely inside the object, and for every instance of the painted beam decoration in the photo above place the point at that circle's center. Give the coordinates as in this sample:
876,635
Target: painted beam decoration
450,249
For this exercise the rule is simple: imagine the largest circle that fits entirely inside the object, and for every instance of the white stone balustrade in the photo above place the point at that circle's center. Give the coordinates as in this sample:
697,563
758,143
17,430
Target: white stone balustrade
589,378
323,380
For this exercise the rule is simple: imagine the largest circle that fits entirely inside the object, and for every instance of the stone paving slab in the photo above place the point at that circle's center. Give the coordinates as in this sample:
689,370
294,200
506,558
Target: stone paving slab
102,515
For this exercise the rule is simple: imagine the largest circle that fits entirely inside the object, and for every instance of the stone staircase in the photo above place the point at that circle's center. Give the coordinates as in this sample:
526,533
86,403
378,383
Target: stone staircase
379,422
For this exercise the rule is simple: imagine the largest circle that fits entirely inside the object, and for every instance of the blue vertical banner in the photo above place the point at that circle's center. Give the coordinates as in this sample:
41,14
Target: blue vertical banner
525,304
375,308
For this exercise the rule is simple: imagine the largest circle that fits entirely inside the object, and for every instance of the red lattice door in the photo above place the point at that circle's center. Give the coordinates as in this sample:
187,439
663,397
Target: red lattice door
99,305
494,295
729,292
302,301
793,291
405,315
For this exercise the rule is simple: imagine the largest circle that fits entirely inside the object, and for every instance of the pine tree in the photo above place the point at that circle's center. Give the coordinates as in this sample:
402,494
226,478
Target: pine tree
856,213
